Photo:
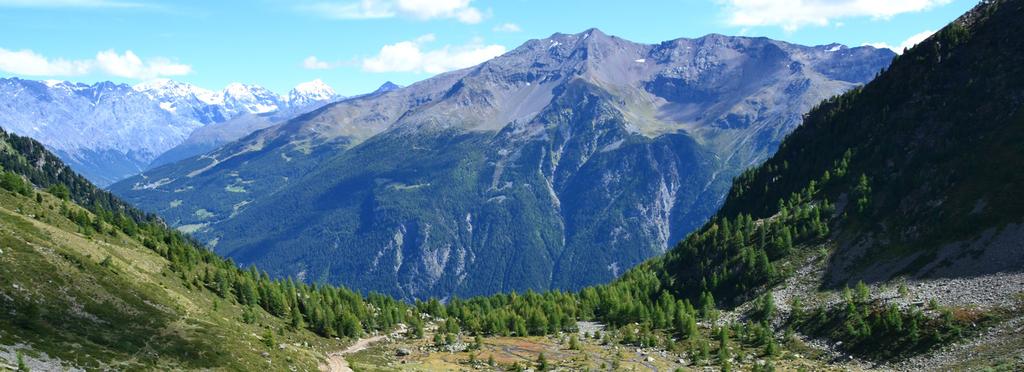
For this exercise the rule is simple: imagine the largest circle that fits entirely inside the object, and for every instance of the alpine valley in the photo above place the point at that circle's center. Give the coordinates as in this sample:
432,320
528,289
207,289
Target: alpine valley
559,164
885,231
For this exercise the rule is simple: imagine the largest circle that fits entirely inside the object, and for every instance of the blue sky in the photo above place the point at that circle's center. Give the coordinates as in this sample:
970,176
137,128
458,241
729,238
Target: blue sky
355,45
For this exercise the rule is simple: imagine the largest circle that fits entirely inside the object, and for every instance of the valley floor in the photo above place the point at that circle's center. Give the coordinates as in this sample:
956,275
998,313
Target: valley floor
996,346
522,353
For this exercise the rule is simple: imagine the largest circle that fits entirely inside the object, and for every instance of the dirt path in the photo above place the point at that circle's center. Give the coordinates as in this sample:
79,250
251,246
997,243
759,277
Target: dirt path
336,361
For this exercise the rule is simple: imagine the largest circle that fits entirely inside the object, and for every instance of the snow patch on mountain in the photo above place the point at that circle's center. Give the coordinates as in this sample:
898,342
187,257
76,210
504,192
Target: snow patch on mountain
310,92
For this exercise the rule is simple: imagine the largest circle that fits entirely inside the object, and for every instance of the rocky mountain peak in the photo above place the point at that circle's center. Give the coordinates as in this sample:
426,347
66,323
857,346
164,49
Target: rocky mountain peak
238,97
387,87
171,90
310,92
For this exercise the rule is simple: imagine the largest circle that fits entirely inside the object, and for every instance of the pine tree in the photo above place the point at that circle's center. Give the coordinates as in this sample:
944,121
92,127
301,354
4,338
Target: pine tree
797,309
707,304
415,328
913,329
268,338
22,367
771,349
248,315
296,320
863,193
765,309
863,293
60,191
723,348
703,350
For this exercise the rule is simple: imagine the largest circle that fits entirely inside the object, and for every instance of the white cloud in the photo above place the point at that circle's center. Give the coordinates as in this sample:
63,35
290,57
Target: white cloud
28,63
793,14
404,56
421,9
426,38
131,66
68,4
313,63
906,44
410,56
915,39
507,27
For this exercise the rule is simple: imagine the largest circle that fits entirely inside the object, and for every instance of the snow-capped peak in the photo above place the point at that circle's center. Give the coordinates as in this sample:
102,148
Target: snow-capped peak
166,90
54,83
310,92
153,85
251,98
313,87
238,90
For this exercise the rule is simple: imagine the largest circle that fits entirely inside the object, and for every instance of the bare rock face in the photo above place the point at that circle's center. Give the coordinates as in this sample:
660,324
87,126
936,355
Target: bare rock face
557,165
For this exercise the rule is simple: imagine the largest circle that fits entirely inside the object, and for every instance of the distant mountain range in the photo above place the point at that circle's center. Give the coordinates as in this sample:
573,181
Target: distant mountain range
557,165
305,97
109,131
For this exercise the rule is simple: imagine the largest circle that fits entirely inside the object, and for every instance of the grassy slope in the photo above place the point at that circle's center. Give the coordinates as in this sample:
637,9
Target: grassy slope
131,312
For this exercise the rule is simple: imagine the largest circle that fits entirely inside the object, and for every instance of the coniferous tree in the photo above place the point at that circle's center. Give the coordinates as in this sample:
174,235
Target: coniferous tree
268,338
771,349
296,319
22,367
723,348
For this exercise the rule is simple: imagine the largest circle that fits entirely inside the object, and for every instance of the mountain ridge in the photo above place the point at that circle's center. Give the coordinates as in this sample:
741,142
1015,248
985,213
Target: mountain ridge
521,138
109,131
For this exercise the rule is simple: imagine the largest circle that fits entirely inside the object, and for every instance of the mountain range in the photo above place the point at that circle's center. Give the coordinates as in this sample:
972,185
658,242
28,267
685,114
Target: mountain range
110,131
557,165
884,234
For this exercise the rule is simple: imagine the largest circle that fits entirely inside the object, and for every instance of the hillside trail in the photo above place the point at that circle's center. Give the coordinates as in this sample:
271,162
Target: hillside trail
336,360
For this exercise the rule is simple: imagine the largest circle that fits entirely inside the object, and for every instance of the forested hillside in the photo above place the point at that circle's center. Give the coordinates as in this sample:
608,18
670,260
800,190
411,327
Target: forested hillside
105,286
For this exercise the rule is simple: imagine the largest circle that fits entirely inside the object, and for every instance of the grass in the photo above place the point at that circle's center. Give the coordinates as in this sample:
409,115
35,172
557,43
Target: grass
106,302
591,355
